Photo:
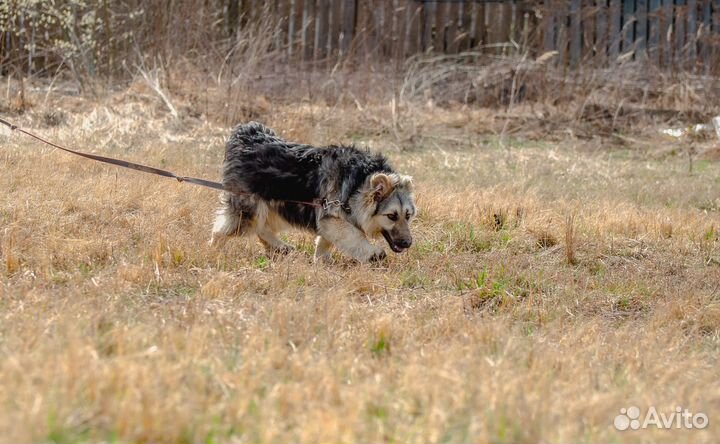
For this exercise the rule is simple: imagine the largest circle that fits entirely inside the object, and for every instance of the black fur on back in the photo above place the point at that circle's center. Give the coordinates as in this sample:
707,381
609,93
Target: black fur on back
257,161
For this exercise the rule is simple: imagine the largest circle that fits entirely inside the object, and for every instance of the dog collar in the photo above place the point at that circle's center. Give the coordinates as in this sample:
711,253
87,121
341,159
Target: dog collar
327,204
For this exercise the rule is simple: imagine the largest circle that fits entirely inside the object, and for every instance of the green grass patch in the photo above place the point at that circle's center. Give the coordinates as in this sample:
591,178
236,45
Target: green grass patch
261,262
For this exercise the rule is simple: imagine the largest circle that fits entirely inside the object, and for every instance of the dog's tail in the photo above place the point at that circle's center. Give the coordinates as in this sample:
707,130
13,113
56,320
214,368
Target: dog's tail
250,134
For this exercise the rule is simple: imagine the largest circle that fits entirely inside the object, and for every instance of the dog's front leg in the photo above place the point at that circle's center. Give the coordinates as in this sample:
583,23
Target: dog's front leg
349,239
322,250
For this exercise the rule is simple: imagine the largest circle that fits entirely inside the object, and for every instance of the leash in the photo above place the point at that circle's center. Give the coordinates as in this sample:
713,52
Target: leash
325,204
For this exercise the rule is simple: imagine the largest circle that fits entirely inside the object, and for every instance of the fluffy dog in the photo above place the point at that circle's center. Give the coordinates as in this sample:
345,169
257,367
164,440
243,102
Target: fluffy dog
342,194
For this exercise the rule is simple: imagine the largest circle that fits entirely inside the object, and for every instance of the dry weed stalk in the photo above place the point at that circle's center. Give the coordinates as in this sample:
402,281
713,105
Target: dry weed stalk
152,80
570,240
10,260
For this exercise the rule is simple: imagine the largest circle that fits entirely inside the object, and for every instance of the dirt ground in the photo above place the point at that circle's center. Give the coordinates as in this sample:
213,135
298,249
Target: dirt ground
556,279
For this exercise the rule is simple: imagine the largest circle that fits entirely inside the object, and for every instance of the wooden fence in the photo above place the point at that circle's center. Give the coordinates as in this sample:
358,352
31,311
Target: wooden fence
676,34
671,33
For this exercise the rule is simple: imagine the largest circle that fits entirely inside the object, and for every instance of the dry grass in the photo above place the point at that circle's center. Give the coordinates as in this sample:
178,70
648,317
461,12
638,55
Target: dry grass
119,324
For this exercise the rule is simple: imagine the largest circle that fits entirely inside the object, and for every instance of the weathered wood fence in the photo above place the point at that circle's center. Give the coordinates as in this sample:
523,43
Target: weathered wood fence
96,36
669,33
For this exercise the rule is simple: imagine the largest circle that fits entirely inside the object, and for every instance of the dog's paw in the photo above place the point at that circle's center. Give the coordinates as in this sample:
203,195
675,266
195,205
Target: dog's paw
284,250
378,256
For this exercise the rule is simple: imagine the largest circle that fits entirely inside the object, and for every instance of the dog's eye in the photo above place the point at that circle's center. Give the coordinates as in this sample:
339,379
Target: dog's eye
393,217
407,216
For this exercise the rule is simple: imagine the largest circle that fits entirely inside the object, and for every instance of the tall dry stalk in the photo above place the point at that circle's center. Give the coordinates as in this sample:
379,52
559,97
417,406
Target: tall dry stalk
10,260
570,240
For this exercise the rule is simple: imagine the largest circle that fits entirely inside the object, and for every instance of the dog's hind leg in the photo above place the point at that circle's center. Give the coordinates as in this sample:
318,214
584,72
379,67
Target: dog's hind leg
234,218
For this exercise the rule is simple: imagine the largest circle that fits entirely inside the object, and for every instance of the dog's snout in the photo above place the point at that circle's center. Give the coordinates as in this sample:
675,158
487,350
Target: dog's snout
405,243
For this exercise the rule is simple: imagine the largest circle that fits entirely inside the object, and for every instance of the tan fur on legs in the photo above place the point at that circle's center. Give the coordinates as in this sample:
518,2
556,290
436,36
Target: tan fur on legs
226,224
268,224
271,242
348,239
322,250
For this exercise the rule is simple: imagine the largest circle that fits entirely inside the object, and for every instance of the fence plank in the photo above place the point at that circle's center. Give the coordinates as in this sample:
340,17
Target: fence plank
451,28
518,21
506,24
334,20
588,16
291,28
464,25
482,24
348,28
715,29
525,20
548,25
363,27
641,31
496,25
654,31
615,27
380,26
440,25
429,15
308,29
691,32
278,13
413,30
398,26
666,32
601,31
628,25
680,19
575,35
705,35
474,8
561,19
321,28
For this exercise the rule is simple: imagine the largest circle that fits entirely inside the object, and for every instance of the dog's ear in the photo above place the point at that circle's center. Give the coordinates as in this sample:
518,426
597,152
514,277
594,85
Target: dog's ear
406,182
381,186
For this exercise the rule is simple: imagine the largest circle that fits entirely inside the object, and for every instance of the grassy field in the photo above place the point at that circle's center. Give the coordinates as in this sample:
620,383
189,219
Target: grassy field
554,280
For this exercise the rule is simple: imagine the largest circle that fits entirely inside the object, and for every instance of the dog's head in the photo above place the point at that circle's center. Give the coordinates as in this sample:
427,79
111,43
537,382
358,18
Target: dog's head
390,197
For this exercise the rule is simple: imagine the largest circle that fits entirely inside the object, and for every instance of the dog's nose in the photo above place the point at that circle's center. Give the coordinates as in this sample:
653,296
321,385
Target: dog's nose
405,243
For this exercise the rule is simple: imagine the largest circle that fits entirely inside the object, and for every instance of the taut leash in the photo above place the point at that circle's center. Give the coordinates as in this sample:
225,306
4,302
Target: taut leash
157,171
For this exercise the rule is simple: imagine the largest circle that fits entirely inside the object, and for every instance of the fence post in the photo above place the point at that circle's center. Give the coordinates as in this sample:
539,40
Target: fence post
548,22
715,28
615,29
429,11
655,34
601,32
575,36
705,50
454,25
440,24
412,28
680,33
641,29
667,31
348,29
692,33
627,30
308,25
291,28
321,28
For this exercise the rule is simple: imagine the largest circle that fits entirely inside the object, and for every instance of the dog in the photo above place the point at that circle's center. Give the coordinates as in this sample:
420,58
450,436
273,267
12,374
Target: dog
344,195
